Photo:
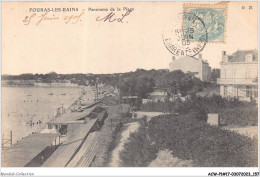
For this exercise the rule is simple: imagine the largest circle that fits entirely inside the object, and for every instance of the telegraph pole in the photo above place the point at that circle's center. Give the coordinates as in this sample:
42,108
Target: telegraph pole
11,137
119,83
96,96
3,143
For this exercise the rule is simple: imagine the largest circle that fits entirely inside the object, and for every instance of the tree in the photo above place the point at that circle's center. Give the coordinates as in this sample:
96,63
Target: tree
144,86
179,82
215,73
137,86
51,76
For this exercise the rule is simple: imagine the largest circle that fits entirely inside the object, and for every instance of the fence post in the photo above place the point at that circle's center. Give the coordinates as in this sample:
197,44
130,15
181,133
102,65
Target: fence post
111,125
3,144
11,137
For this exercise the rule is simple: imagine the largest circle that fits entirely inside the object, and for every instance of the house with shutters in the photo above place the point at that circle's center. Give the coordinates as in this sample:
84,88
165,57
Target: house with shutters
239,75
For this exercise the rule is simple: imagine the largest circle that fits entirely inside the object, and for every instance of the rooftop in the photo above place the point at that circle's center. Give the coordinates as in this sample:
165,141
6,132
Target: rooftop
76,136
26,149
189,57
240,55
71,117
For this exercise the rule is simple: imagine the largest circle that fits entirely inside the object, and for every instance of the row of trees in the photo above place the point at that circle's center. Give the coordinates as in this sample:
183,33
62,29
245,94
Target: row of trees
29,76
111,79
138,83
141,83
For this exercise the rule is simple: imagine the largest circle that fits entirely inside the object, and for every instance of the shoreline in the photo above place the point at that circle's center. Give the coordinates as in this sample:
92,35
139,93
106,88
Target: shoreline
38,128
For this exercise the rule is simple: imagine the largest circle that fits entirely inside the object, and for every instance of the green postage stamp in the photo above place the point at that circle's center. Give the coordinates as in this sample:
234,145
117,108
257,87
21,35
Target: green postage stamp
213,17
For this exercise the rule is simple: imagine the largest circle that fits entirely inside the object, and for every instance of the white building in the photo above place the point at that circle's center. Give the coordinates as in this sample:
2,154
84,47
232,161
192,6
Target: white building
239,74
192,64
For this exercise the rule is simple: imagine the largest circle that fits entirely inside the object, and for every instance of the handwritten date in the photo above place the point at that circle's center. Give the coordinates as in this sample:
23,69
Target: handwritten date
73,19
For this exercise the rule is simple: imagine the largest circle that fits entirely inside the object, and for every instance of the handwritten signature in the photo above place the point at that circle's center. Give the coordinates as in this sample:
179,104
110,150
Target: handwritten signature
111,17
73,19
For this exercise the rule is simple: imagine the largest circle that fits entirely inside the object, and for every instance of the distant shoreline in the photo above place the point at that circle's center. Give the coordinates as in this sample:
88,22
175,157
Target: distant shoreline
78,86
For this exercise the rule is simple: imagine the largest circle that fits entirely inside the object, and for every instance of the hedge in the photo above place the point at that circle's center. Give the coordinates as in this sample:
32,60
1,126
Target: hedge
189,139
241,116
205,145
231,112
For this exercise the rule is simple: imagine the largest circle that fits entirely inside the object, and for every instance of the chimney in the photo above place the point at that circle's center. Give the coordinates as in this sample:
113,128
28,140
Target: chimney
173,57
200,56
249,57
224,56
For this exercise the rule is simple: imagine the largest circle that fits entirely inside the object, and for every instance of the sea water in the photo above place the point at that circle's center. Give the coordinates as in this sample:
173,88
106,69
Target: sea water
26,110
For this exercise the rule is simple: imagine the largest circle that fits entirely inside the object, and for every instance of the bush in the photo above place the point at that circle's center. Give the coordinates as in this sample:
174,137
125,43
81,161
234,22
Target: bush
158,107
216,102
205,145
239,116
110,144
194,108
138,151
232,112
189,139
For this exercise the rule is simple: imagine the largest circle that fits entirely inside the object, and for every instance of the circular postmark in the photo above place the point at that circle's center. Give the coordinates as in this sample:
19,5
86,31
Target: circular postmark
185,35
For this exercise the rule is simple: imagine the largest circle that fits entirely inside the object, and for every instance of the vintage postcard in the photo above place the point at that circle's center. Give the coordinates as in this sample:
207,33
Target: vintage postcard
130,84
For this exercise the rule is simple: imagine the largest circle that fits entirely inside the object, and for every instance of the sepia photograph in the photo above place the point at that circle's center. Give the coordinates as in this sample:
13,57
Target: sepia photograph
129,84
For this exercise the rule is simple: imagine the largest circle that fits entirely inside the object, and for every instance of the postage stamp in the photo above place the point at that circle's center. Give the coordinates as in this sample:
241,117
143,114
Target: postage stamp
185,39
214,17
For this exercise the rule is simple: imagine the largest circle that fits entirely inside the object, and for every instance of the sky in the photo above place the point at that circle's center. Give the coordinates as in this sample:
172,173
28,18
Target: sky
91,46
